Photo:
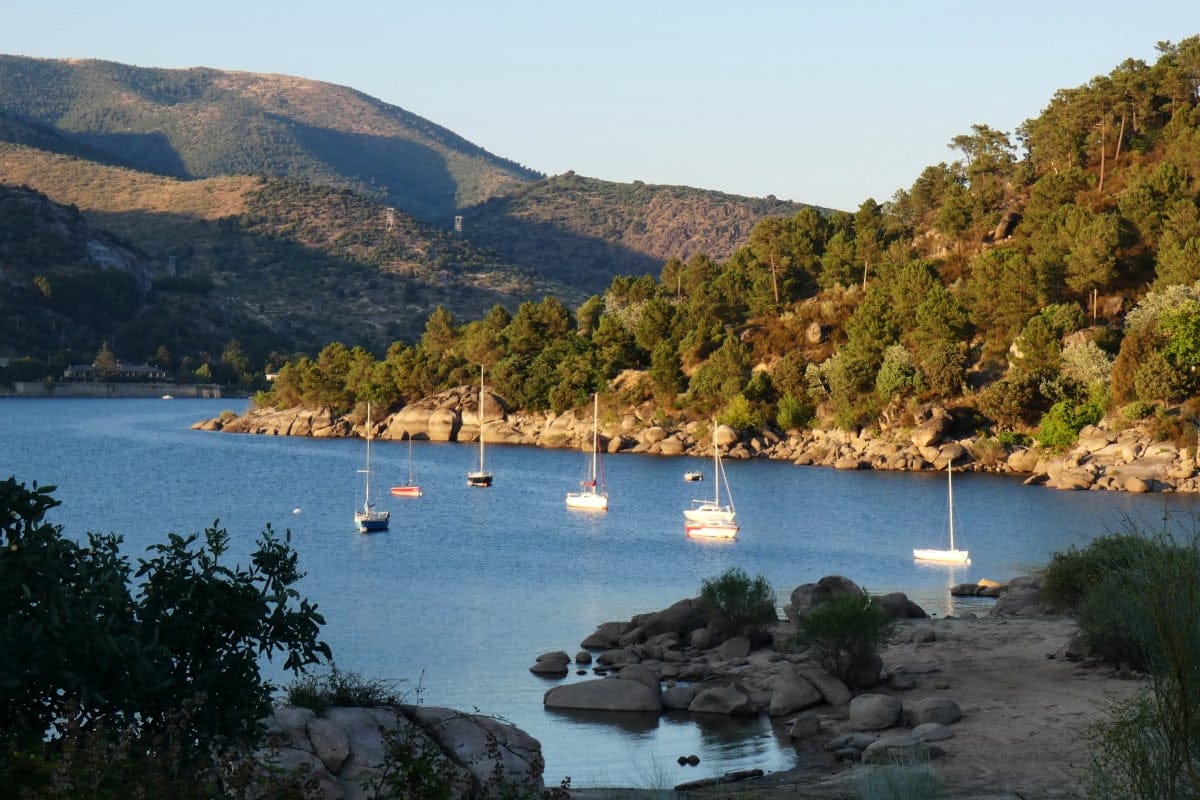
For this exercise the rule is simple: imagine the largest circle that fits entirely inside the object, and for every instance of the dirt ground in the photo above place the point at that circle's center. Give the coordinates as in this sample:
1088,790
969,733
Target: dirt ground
1025,710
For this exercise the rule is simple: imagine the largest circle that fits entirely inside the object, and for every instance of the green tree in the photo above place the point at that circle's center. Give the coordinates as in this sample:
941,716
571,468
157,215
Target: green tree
86,649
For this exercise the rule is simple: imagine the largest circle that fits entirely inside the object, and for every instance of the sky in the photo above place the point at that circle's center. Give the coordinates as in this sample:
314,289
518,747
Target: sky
827,103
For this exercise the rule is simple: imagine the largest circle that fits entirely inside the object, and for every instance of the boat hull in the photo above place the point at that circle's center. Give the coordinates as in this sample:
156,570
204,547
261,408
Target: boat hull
373,521
481,480
587,501
693,476
406,491
943,556
711,530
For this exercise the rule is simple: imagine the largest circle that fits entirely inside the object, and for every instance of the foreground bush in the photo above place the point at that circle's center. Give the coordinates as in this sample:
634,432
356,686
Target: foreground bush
1073,573
1147,612
166,672
734,603
843,631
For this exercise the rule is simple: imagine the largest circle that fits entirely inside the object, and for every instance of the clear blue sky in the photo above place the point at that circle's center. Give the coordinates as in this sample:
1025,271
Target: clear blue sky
825,102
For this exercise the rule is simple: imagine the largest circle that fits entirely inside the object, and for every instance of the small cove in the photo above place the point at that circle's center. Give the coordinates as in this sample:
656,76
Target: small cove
469,586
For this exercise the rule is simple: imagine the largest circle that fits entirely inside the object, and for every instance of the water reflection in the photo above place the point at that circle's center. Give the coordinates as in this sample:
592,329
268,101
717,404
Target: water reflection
630,723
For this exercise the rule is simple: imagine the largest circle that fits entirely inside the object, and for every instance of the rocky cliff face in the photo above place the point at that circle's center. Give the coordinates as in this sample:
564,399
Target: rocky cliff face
1103,458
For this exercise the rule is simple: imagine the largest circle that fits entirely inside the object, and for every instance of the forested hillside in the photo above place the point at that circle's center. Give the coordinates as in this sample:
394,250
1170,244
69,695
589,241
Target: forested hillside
265,267
584,231
1033,289
306,207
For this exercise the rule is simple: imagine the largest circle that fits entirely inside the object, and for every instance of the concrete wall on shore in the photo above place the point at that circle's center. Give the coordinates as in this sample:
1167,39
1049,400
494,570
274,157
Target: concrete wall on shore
39,389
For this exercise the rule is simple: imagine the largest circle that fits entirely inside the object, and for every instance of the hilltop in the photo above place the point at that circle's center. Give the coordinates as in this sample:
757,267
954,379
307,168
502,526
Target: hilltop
314,213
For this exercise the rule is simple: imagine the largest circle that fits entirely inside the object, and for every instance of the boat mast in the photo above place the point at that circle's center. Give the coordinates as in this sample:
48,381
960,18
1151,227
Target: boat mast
367,471
481,418
716,469
595,435
950,495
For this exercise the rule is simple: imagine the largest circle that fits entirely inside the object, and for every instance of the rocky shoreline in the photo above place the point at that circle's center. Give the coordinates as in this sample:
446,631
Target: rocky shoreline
969,695
1105,456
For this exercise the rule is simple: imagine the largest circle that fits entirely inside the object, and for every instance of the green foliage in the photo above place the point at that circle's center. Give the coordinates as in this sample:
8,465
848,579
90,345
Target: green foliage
734,602
1144,612
843,630
1138,409
1060,425
1074,573
1012,401
341,689
915,781
739,414
898,375
793,414
79,647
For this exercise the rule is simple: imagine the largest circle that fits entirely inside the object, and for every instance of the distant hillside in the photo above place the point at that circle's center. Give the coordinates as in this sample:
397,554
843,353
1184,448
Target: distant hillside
288,264
202,123
584,231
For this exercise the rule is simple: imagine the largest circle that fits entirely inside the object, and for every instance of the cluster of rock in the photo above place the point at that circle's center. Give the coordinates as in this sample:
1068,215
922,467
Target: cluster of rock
1122,460
345,751
676,660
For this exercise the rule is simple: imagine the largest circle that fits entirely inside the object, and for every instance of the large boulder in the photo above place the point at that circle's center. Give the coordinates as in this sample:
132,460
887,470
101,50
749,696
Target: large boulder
832,689
485,746
729,700
807,596
936,708
345,751
681,618
874,712
604,694
606,635
792,692
898,606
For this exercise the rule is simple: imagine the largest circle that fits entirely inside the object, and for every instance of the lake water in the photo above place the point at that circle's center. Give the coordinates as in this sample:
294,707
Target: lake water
470,585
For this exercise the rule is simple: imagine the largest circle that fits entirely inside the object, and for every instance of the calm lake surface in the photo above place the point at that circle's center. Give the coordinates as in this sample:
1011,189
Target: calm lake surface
469,586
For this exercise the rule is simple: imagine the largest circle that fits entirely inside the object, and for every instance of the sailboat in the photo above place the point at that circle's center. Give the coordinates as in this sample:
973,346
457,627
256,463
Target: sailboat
593,495
367,519
480,477
408,489
711,519
951,556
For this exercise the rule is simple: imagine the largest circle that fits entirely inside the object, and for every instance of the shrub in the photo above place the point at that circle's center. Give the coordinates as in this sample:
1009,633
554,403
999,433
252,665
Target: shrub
844,630
337,688
739,414
1073,573
734,602
1060,425
175,661
793,414
1138,409
1148,609
904,781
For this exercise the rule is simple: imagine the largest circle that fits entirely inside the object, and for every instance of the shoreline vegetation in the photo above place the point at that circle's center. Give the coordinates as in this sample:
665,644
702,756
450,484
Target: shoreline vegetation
1111,455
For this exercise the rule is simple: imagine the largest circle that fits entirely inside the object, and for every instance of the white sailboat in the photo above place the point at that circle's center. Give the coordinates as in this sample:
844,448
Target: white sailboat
712,519
593,494
367,519
480,477
953,555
